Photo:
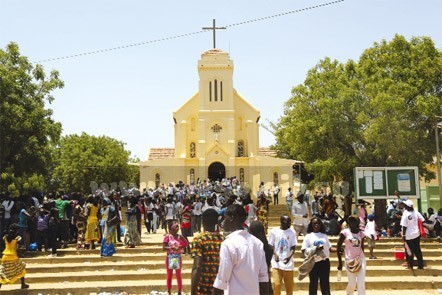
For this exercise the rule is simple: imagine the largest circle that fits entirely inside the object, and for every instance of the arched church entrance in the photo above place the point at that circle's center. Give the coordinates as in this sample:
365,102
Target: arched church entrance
217,171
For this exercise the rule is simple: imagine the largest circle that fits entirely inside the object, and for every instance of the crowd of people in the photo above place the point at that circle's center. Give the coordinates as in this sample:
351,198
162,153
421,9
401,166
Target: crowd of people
230,233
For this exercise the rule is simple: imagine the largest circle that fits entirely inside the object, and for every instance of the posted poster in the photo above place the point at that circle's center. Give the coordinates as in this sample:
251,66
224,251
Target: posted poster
368,184
403,182
378,180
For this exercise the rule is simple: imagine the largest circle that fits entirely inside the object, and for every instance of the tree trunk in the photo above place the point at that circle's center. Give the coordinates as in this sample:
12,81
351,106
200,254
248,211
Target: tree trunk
380,207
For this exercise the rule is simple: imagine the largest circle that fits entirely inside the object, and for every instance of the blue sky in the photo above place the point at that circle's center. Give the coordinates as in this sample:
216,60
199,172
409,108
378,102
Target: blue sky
130,94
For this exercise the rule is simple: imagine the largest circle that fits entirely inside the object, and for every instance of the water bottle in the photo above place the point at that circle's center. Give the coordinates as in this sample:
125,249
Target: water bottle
338,278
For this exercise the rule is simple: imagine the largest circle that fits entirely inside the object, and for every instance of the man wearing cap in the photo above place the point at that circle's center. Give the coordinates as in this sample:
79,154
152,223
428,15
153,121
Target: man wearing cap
411,234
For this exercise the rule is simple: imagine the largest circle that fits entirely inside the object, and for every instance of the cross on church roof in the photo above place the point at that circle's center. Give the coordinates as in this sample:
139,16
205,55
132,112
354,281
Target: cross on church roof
214,28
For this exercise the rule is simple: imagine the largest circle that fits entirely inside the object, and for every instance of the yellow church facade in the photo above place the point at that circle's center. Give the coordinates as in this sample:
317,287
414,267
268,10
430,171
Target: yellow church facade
216,136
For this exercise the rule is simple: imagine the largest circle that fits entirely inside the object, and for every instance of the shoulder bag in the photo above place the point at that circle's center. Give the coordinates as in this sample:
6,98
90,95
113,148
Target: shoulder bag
354,265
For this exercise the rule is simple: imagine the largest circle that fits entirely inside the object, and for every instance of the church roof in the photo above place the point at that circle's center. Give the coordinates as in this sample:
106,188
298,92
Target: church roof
164,153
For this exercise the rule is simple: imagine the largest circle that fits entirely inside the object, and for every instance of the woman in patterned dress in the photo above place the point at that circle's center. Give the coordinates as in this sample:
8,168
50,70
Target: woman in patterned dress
263,210
132,236
205,252
12,267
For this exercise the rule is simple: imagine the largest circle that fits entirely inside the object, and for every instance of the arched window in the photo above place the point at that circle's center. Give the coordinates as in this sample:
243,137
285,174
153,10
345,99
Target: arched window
241,175
192,175
192,150
216,90
275,178
240,148
192,124
210,91
221,90
157,180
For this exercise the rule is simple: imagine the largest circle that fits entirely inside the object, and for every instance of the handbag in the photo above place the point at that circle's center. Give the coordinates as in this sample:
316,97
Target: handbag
354,265
174,261
114,221
421,228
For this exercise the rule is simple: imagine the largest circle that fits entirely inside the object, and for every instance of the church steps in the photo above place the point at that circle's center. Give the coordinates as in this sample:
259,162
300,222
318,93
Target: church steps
109,273
73,267
141,269
146,285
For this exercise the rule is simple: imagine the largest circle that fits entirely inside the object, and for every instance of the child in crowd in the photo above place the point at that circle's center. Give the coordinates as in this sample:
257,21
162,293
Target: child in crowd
371,232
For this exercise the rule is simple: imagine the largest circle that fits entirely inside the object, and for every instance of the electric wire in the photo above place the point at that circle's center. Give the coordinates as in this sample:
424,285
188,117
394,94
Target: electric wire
191,33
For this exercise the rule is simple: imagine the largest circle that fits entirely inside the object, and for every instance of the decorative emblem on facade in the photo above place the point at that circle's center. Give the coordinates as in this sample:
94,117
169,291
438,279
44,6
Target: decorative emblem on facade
216,130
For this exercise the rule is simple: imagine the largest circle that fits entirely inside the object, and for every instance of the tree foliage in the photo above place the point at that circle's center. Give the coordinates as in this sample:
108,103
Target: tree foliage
378,111
83,158
27,130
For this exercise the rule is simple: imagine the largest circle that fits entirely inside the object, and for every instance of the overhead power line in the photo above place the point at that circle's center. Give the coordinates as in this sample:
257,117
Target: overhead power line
191,33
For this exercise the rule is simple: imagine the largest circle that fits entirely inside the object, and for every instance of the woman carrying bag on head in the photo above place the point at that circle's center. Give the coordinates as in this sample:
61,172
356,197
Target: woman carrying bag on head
355,263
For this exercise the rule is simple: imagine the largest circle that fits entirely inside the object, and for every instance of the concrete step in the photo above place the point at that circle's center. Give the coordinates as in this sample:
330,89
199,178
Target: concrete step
153,261
111,272
147,285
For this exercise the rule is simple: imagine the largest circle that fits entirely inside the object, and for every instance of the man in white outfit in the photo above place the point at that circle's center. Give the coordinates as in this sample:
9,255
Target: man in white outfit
300,215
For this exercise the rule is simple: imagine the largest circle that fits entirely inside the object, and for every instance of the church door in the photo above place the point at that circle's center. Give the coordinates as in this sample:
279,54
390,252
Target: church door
217,171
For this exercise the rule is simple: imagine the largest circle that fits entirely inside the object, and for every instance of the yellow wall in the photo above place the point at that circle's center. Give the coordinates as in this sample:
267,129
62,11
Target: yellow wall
238,119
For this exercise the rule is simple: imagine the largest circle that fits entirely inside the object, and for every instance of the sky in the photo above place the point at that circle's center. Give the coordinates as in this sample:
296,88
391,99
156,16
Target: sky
131,93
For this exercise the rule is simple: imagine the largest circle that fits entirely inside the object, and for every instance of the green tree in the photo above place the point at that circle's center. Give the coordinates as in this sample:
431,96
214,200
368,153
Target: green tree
378,111
27,130
83,158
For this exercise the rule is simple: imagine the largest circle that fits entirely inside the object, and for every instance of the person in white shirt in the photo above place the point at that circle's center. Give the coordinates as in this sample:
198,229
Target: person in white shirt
7,204
283,240
170,213
300,215
242,266
289,199
275,194
411,234
316,238
251,212
197,211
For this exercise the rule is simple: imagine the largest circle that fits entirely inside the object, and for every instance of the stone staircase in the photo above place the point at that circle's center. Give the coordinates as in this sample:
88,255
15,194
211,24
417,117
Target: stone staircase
141,270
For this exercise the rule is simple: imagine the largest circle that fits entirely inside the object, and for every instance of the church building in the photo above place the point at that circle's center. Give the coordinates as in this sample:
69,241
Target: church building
216,136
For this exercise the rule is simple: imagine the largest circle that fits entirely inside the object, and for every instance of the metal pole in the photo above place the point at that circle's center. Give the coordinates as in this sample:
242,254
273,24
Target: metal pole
439,179
300,179
1,106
